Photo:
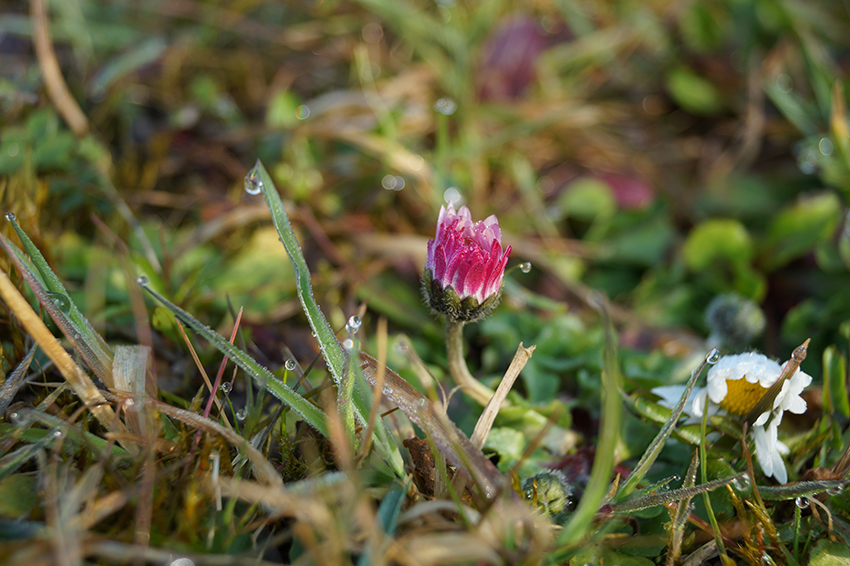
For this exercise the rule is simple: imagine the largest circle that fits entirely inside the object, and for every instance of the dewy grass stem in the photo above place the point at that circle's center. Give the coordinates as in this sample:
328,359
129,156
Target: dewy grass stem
457,364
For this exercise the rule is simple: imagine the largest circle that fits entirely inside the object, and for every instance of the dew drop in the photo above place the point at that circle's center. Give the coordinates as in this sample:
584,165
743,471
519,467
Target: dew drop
56,433
181,562
10,216
713,356
445,106
302,112
825,146
835,490
348,344
353,324
741,483
61,301
242,414
525,267
422,403
452,195
225,387
802,502
15,418
253,181
290,365
143,281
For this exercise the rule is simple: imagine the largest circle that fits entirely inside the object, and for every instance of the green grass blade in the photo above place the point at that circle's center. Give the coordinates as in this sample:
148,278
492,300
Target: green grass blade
328,343
609,435
330,346
57,302
264,378
658,443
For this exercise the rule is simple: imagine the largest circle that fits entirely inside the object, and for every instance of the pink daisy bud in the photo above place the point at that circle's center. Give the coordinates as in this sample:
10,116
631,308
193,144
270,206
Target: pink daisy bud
465,265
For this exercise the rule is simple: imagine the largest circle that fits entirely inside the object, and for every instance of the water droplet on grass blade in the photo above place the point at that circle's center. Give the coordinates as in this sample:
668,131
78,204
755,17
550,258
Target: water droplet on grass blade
225,387
525,267
253,181
353,324
290,365
802,502
56,433
348,344
61,301
143,281
713,356
10,216
242,414
835,490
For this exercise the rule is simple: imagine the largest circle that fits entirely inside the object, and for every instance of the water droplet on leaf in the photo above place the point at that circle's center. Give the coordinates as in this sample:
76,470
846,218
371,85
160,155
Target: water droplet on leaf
10,216
353,324
802,502
835,490
143,281
348,344
225,387
253,181
713,356
290,365
525,267
242,414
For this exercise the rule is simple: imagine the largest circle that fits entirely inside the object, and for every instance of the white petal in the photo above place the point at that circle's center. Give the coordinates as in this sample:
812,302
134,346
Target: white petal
762,419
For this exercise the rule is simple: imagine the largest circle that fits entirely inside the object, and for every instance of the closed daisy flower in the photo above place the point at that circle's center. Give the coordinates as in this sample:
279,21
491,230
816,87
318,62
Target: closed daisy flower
735,385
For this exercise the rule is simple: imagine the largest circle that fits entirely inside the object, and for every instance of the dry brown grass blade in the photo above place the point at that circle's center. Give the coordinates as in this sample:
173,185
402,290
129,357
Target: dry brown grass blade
263,469
57,89
76,377
485,421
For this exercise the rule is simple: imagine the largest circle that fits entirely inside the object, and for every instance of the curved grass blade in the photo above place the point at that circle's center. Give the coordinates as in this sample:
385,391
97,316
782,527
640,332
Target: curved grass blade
331,349
57,302
658,443
264,378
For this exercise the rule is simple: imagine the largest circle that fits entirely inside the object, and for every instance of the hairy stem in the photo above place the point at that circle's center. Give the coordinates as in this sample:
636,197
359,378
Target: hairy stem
457,365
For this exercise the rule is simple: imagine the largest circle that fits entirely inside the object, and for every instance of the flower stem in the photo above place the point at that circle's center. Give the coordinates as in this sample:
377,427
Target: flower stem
457,365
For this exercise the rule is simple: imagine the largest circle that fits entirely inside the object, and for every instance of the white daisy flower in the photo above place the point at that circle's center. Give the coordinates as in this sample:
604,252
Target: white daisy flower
735,385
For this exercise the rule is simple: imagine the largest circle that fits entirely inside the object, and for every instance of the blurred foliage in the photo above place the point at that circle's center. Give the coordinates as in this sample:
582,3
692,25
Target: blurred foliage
661,153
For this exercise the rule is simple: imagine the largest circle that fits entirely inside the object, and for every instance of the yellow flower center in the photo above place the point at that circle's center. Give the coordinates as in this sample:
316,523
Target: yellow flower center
741,396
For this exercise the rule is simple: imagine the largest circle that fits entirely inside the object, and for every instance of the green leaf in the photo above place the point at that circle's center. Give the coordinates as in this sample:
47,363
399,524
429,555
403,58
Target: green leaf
692,92
797,229
828,553
717,241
